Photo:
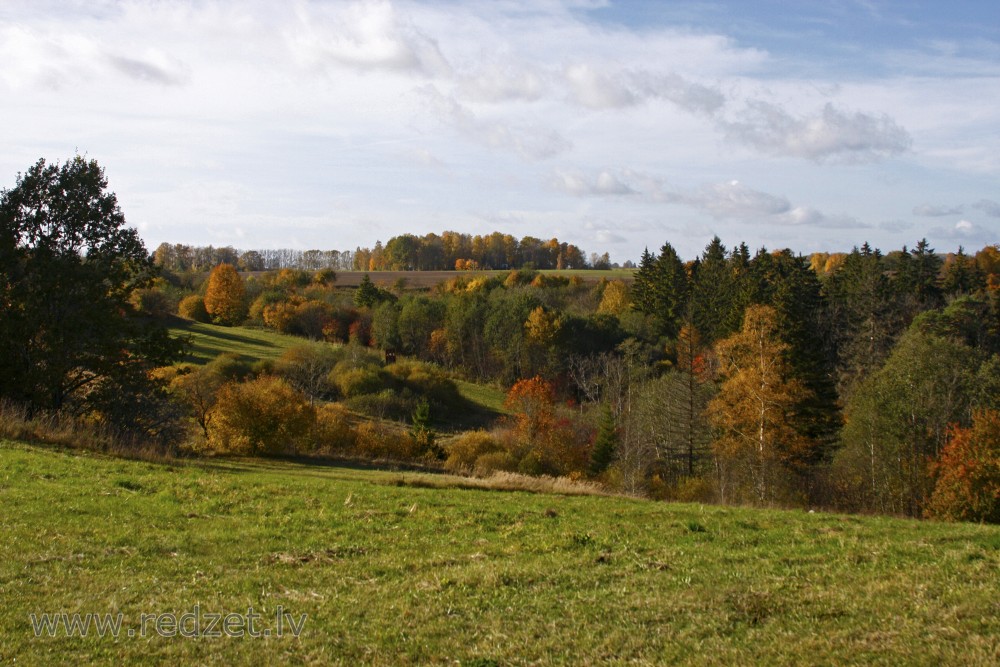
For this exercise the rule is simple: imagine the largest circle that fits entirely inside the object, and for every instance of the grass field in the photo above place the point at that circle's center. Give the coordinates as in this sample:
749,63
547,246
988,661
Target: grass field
209,341
381,570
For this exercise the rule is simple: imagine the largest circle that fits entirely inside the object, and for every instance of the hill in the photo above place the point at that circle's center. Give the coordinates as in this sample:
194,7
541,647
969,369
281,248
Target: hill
374,567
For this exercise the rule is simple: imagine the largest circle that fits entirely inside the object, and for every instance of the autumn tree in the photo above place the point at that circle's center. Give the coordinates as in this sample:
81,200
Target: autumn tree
69,333
967,487
224,296
758,448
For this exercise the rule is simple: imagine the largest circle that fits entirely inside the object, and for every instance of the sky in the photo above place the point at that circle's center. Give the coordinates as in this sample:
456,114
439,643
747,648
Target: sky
815,125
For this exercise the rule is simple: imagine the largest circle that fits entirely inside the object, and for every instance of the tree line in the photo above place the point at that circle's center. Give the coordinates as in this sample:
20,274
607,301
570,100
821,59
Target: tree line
448,251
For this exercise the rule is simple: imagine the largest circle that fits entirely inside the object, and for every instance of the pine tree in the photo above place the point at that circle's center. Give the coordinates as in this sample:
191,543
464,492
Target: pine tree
605,444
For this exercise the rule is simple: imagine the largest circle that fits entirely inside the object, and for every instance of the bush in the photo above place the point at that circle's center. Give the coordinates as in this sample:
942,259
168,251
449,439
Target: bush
358,381
332,433
193,308
375,440
262,416
385,404
151,301
465,451
307,367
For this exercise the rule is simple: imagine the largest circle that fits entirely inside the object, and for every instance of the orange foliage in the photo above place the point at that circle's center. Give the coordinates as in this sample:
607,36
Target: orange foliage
968,473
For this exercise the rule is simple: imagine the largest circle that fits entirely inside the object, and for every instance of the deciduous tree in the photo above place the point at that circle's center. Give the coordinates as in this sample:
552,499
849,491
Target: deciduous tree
224,296
69,266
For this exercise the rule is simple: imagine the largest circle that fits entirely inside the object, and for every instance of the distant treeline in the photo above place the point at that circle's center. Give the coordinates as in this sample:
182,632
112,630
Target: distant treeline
408,252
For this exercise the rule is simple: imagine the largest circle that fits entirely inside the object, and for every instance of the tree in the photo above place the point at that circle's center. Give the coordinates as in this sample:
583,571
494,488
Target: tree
224,297
603,452
897,420
661,289
68,332
968,473
758,446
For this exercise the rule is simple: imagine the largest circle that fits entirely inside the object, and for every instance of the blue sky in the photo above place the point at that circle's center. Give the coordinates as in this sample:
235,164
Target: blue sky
612,125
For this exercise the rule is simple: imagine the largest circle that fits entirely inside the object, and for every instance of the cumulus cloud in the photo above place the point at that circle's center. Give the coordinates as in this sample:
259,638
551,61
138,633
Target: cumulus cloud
530,142
831,135
989,207
604,183
935,211
366,35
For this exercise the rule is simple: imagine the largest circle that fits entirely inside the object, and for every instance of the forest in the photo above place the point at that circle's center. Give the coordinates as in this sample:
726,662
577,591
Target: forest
861,381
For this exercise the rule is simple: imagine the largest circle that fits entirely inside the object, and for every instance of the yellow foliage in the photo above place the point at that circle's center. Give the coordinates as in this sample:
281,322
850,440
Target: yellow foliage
262,416
615,299
224,295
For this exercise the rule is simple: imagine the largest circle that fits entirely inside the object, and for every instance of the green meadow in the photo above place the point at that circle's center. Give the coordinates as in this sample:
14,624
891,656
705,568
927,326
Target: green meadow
207,341
378,567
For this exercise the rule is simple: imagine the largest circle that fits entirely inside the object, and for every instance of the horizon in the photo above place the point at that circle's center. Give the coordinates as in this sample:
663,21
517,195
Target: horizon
613,126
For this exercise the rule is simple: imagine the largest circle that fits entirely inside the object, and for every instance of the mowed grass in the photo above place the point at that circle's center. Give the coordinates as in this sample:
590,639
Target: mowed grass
209,341
389,572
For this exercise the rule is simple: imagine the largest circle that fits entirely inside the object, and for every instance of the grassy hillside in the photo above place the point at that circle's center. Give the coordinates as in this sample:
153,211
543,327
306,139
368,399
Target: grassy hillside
209,341
390,572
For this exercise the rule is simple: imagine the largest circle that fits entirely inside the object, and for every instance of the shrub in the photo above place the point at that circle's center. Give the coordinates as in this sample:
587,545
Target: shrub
386,404
376,440
307,368
358,381
465,451
193,308
332,432
261,416
151,301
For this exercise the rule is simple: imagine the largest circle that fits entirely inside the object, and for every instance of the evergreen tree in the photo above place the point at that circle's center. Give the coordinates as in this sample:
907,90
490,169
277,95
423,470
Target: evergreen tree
603,453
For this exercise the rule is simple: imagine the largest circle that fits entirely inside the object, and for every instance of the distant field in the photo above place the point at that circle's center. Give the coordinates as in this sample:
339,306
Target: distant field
381,570
209,341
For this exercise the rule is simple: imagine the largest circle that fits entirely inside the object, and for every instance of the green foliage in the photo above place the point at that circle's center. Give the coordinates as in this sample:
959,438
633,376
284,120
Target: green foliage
69,331
662,289
603,452
898,420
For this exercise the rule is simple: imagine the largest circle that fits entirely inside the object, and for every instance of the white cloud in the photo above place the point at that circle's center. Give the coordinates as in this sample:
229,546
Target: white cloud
831,135
367,35
604,183
936,211
502,83
529,141
597,90
735,200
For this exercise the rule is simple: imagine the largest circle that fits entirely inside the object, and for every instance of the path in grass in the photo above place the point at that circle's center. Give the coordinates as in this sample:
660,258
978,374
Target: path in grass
387,572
